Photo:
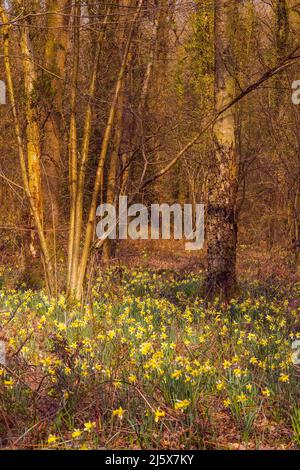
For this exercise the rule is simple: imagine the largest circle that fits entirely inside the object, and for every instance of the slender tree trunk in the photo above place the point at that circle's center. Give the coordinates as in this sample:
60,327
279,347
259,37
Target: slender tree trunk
73,140
108,245
102,158
221,224
281,39
24,172
294,223
131,134
77,234
159,90
32,135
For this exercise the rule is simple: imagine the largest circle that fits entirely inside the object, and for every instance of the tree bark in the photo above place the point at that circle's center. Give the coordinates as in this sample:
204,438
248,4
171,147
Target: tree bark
55,57
109,246
24,172
221,223
77,234
32,136
73,164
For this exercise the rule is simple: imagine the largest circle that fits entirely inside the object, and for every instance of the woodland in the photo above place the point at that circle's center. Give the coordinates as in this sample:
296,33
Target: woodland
141,343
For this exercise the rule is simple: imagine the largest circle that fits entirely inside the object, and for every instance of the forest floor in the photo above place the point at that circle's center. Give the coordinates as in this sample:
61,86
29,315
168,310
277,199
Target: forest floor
146,363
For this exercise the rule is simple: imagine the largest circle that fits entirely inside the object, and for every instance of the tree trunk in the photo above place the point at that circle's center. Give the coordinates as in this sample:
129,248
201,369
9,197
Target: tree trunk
221,223
55,57
109,245
83,164
33,137
73,164
24,172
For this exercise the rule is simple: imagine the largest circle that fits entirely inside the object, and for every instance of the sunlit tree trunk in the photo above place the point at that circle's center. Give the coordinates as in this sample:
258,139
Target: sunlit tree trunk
82,164
24,171
221,224
73,164
32,135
